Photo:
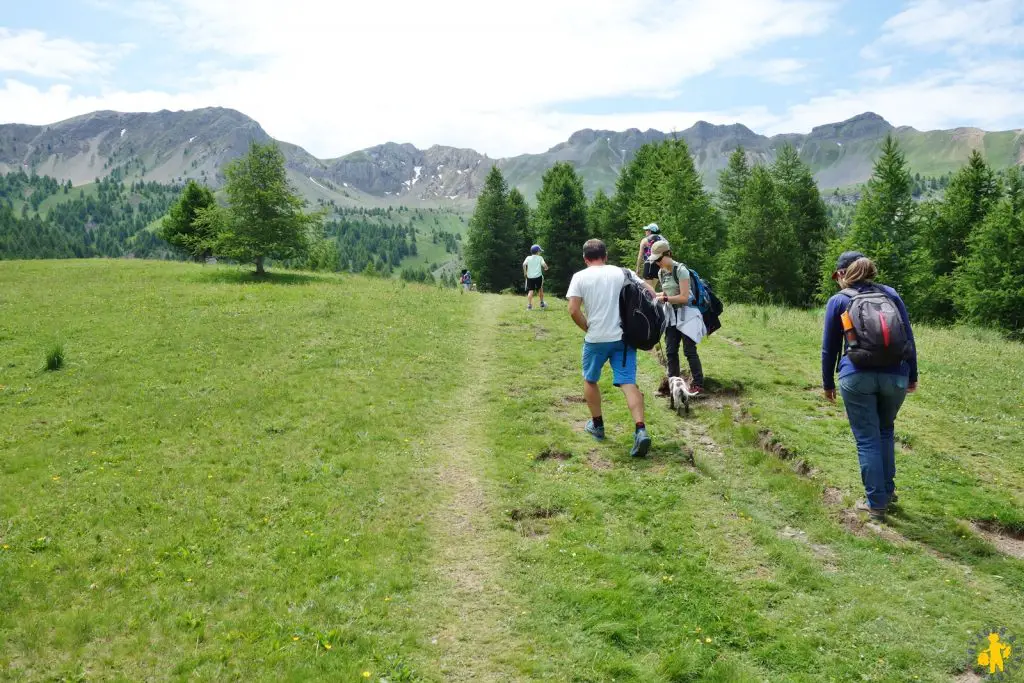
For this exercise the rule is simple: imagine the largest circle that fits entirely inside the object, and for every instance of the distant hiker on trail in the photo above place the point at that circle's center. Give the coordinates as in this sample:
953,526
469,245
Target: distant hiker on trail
867,330
533,269
644,268
466,281
685,322
596,288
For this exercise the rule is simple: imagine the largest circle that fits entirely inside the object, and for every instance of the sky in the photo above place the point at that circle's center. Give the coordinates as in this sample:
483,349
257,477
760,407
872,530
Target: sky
512,78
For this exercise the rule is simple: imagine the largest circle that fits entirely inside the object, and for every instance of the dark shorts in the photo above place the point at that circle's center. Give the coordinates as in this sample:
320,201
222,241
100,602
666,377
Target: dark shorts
651,270
534,283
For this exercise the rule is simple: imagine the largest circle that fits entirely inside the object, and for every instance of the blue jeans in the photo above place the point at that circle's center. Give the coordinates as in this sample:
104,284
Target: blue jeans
872,401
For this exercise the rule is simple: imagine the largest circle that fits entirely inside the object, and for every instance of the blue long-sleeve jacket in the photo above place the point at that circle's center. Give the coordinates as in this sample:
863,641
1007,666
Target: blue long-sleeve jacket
832,341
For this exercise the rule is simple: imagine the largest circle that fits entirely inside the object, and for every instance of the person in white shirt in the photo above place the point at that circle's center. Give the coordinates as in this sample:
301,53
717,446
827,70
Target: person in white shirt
596,288
533,269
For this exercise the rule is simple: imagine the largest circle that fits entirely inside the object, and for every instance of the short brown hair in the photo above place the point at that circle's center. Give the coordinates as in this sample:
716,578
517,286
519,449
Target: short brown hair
594,250
861,270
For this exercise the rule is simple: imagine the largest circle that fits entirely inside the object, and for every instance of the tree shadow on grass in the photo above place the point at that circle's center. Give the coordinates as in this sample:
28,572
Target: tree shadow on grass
242,276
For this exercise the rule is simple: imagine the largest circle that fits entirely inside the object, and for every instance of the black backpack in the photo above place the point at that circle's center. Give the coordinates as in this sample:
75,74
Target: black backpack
881,338
642,318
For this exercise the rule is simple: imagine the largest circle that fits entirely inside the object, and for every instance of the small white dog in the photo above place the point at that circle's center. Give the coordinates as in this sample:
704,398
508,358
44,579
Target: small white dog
679,395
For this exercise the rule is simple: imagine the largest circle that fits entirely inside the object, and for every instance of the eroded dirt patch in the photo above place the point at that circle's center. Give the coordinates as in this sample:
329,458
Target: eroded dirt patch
536,512
1006,541
597,462
553,453
820,551
832,496
767,442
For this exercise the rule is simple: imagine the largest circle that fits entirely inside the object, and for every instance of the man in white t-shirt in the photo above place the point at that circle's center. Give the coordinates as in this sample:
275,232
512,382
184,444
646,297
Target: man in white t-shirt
596,288
533,269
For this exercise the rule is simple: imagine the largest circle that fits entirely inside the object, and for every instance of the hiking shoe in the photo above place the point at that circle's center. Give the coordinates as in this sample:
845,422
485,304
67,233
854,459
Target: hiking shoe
529,307
641,444
696,390
543,305
876,515
594,431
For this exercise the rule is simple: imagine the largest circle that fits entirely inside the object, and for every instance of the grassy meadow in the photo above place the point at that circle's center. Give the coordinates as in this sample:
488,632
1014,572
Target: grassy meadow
323,477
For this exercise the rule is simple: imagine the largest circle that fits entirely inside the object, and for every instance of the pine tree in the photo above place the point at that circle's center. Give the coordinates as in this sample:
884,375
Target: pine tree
883,225
490,251
623,233
758,265
561,224
668,190
264,217
971,194
806,213
731,181
519,215
180,228
600,215
990,284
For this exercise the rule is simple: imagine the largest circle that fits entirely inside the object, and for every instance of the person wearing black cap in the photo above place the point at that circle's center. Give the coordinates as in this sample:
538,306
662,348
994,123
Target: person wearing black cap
868,339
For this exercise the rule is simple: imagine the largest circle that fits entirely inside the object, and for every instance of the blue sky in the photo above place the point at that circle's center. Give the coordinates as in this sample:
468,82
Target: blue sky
334,77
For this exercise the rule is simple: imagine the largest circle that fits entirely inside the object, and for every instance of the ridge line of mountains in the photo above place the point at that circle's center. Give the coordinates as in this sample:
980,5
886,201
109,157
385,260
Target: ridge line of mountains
170,146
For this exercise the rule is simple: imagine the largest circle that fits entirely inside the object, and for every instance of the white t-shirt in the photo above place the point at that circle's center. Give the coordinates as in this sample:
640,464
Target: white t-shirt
534,265
599,287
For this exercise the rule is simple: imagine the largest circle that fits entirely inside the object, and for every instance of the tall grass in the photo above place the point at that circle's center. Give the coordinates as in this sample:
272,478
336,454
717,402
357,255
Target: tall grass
55,356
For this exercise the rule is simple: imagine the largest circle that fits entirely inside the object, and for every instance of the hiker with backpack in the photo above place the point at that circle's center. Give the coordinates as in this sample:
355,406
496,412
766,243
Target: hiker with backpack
599,288
533,270
466,280
869,341
644,268
684,320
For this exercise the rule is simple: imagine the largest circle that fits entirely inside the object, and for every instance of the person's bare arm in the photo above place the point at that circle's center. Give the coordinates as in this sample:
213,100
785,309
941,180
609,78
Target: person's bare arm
640,258
576,312
683,297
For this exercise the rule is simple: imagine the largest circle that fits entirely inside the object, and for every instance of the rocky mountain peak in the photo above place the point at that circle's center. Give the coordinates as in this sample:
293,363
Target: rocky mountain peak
868,124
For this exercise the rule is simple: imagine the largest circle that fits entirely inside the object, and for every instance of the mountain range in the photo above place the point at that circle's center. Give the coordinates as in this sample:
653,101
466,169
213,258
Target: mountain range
170,146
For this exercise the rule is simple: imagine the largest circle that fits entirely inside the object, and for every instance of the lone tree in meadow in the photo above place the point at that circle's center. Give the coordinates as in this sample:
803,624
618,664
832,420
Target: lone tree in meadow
182,229
264,218
561,224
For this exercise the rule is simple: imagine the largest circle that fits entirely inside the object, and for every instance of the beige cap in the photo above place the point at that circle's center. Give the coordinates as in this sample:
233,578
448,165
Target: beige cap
658,250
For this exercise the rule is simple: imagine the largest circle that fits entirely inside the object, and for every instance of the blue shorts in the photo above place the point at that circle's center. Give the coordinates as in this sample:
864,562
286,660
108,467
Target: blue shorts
621,357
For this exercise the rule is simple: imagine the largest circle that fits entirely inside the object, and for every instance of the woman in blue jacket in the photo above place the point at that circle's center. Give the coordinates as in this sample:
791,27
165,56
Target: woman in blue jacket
872,394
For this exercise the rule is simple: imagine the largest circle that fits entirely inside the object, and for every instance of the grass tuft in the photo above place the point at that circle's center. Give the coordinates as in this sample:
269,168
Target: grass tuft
54,357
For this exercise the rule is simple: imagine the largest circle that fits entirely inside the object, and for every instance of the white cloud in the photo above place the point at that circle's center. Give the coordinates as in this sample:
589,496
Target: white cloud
339,76
781,71
954,25
986,97
880,73
35,54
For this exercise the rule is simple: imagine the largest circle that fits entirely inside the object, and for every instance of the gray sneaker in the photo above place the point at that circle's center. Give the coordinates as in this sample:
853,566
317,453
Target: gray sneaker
641,444
594,431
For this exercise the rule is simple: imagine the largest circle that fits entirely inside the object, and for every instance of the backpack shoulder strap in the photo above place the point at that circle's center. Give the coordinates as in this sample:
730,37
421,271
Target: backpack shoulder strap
850,292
